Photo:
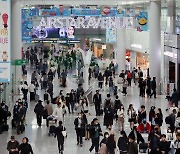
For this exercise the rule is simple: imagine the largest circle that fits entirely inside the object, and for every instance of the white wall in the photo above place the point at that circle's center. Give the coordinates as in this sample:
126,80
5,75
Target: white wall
138,38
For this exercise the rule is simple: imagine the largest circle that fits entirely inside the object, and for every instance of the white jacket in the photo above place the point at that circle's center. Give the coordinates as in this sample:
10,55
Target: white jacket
58,112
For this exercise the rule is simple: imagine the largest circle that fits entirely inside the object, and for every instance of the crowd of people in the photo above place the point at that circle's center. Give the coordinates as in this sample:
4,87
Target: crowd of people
54,108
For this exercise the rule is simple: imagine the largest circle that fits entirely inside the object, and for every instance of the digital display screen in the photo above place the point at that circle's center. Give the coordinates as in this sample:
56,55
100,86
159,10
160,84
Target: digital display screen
42,33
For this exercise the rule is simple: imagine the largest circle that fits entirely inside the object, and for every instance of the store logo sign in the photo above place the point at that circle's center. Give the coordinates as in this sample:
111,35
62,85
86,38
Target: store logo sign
80,22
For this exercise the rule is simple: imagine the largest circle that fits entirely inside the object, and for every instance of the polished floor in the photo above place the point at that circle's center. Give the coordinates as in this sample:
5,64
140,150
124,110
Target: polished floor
43,144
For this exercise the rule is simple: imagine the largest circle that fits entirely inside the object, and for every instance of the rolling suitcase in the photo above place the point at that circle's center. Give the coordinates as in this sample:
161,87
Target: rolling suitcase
5,127
52,130
22,128
46,96
143,147
13,123
36,97
101,111
1,128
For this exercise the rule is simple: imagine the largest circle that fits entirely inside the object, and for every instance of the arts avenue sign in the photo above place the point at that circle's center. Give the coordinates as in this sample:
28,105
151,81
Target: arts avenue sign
81,22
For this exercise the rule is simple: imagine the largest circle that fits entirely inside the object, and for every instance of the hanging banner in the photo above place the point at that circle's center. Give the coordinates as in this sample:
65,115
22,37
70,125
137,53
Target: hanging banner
111,35
5,41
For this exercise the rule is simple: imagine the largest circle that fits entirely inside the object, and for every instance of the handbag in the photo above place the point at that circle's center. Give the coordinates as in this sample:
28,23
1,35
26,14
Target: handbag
64,133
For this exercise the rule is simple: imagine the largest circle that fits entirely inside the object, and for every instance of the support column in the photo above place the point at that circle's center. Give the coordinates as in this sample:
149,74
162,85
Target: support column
86,77
171,21
16,42
155,42
83,43
121,49
133,59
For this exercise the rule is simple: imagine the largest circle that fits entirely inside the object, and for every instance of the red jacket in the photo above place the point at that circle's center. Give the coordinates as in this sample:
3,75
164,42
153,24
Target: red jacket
141,128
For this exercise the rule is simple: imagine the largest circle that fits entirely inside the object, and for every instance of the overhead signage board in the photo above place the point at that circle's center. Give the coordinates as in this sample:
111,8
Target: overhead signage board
5,41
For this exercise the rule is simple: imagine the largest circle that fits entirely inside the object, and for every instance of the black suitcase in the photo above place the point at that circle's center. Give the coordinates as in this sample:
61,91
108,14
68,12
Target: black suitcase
52,130
46,97
143,147
22,128
36,97
13,123
101,111
5,127
1,128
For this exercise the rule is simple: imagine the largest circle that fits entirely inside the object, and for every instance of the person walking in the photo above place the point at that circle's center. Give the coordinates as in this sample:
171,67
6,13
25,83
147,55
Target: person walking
164,146
49,111
32,91
95,133
175,97
125,85
123,143
67,100
129,78
72,99
97,101
111,144
39,112
137,136
177,143
154,140
108,115
153,87
64,76
24,90
117,105
80,128
50,89
111,85
103,148
101,80
60,137
159,117
121,117
59,112
12,146
133,146
20,118
25,147
132,117
148,86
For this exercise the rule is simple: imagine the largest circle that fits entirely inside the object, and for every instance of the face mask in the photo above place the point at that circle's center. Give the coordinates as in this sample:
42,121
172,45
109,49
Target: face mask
79,116
16,103
107,136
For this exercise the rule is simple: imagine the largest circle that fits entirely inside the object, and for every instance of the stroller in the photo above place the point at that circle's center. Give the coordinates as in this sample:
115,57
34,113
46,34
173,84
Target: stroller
52,123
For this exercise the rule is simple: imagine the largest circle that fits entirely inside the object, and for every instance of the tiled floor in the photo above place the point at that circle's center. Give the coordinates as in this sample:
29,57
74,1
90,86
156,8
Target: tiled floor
43,144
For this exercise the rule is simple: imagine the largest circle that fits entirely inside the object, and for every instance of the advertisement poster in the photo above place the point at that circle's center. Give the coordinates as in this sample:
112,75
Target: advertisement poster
110,35
142,21
5,53
128,22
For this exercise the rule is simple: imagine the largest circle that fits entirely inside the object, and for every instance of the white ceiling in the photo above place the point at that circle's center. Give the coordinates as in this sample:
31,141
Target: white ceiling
82,2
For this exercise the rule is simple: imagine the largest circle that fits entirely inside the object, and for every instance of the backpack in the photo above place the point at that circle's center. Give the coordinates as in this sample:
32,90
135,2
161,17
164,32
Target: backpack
108,101
168,119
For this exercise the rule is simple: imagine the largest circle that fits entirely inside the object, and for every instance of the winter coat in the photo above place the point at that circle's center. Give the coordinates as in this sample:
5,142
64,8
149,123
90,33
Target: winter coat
108,116
25,148
123,144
